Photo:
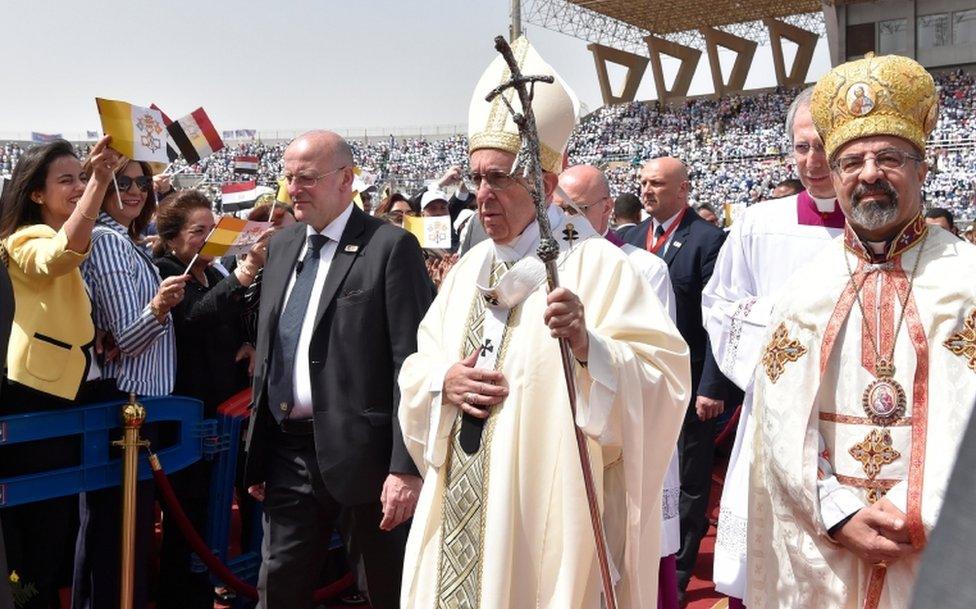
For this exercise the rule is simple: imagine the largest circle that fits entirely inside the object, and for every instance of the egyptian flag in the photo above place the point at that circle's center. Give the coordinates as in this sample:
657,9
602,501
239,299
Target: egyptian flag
241,195
246,164
172,151
195,136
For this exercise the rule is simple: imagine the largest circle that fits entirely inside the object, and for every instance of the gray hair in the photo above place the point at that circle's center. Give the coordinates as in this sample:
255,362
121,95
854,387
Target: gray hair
803,99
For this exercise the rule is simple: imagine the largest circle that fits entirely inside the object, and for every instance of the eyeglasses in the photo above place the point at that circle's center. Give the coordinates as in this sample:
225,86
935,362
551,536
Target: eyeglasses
885,160
143,183
803,148
572,211
496,180
308,181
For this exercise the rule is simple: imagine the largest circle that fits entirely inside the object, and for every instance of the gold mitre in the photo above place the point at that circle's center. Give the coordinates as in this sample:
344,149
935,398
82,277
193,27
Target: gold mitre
888,95
490,124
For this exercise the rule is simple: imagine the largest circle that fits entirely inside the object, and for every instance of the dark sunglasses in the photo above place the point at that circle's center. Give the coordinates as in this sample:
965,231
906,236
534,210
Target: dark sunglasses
144,183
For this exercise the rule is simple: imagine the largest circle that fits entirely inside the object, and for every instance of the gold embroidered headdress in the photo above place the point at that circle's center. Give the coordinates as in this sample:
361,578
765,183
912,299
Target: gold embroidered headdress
490,124
887,95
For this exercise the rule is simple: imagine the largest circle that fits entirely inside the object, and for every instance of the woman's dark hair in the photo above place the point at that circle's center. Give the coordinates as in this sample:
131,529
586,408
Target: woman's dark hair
386,205
148,209
17,209
172,217
262,213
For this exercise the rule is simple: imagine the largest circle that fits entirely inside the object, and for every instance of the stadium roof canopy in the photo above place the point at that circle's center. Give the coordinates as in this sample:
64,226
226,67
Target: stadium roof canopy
623,24
670,16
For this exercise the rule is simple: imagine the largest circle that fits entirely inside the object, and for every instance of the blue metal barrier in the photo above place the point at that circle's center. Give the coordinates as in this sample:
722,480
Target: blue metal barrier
94,424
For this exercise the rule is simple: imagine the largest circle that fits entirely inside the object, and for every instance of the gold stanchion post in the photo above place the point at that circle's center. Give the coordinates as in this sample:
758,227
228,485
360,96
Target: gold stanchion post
133,415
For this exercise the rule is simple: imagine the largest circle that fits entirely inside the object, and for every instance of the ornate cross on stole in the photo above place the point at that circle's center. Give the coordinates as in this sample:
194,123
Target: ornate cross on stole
466,482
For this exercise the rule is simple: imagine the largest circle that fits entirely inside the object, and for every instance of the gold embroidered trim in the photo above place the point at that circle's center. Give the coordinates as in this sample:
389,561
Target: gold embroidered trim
833,417
781,350
876,488
459,566
963,343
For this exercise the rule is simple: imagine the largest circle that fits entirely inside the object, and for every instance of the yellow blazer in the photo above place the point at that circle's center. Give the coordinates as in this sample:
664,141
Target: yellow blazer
53,327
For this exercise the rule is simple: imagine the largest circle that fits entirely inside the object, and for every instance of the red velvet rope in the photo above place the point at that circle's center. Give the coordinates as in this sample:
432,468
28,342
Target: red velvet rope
213,563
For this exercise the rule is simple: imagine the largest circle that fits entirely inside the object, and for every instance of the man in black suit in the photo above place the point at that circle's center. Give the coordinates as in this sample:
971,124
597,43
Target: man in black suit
689,245
342,297
626,215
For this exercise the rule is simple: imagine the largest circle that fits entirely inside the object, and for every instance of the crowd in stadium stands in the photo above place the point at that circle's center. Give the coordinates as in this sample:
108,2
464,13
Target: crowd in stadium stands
734,146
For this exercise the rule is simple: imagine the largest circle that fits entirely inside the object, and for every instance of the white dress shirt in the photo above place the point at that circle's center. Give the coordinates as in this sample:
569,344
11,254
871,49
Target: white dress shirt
302,379
667,226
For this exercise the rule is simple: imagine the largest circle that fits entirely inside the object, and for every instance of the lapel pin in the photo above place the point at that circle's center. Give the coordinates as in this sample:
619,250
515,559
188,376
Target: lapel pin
352,248
676,244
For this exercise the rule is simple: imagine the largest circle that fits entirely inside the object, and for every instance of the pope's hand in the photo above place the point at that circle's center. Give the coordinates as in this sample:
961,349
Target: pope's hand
474,390
399,499
877,535
565,319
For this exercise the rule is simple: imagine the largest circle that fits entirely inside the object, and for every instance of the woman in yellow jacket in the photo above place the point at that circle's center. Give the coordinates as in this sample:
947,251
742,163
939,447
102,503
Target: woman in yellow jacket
47,212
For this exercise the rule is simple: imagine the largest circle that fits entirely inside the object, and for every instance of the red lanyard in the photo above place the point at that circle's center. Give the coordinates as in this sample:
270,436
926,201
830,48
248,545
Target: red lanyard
659,243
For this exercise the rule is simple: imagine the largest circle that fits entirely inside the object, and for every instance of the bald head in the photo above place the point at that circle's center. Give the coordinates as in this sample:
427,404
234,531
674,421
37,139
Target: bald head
588,188
322,142
664,187
319,168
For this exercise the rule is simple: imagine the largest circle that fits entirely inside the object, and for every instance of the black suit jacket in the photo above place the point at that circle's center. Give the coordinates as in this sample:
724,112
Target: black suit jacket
375,294
691,257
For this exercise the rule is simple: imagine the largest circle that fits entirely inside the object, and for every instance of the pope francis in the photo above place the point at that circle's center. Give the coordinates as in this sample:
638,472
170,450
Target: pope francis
502,521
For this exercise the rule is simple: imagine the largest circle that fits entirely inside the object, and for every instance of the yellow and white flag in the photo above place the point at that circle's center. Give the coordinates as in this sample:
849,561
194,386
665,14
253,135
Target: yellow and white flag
137,133
232,236
433,232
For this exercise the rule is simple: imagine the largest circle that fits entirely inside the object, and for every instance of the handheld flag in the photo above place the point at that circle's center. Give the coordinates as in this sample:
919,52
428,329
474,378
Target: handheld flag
433,232
246,164
172,151
241,195
232,236
195,136
137,132
283,196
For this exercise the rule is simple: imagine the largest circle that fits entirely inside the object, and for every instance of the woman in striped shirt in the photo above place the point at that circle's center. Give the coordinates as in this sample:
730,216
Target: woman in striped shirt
131,305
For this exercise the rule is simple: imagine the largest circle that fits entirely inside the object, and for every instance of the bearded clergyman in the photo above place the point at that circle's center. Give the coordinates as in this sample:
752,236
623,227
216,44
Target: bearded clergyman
868,374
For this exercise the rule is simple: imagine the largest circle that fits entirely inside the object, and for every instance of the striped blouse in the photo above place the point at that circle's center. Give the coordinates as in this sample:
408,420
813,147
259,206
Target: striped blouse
122,280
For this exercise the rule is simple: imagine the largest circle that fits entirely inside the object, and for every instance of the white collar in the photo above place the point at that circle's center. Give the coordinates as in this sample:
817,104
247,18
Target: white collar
667,223
521,246
824,206
335,228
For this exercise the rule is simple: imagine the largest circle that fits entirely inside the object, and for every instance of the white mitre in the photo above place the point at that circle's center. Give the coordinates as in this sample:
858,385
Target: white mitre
555,106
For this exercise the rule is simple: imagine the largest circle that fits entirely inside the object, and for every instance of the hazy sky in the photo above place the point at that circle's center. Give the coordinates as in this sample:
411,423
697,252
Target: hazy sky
282,64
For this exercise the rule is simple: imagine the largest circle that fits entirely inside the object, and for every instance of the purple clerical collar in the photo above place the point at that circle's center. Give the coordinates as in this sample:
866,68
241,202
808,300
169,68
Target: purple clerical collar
613,238
808,214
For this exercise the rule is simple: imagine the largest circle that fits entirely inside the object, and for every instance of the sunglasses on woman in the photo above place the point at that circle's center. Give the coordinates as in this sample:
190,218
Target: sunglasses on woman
143,183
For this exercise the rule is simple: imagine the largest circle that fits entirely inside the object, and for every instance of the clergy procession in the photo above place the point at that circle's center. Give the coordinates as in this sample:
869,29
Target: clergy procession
517,386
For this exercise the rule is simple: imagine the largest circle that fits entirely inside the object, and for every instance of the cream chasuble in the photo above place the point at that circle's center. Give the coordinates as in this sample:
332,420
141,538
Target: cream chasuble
766,245
529,539
830,435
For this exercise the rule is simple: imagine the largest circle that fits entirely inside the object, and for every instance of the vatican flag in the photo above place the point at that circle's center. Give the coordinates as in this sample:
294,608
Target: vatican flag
137,133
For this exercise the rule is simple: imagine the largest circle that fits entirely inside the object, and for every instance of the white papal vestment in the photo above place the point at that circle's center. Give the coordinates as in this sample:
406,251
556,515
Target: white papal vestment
530,542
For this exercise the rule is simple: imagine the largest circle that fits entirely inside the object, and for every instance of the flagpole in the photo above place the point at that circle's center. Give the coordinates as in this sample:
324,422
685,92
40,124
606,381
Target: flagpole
197,255
118,194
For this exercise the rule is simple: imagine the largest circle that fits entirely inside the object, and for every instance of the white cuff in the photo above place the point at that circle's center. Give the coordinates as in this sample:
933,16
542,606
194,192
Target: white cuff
837,502
596,388
441,418
898,495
